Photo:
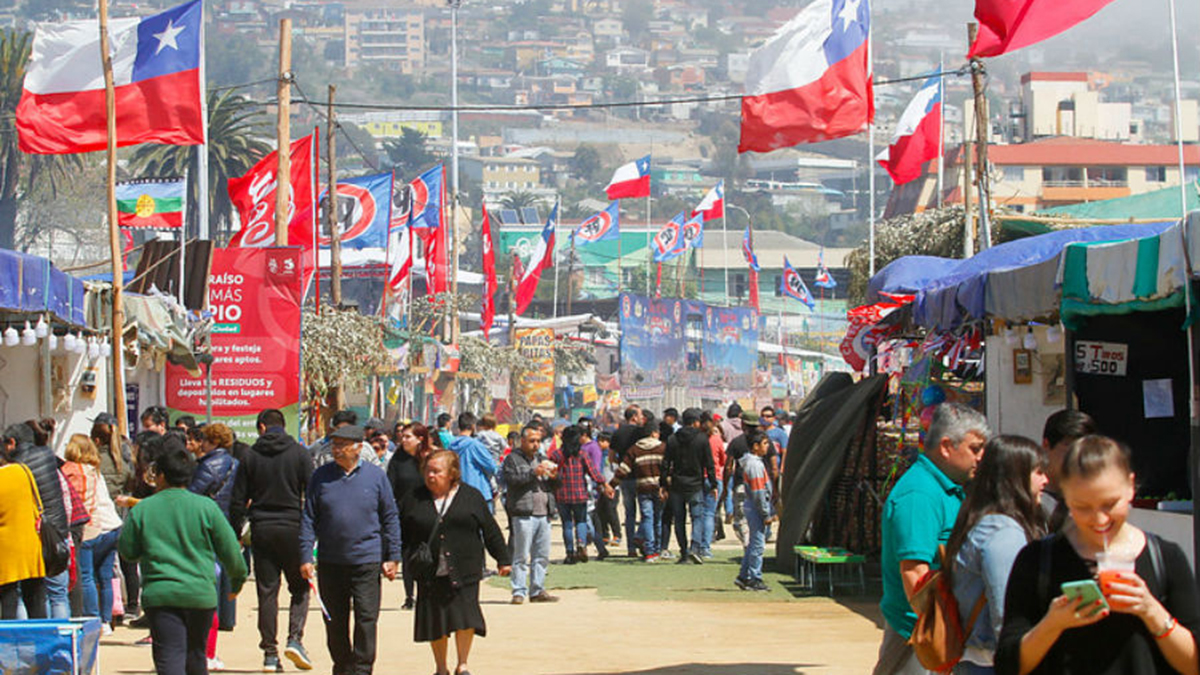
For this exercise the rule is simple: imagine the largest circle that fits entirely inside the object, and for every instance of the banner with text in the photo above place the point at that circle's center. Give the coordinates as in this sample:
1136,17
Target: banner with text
536,387
254,294
653,354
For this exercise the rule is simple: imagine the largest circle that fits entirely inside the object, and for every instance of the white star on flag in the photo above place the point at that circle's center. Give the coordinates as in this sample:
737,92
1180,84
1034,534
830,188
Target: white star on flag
849,13
167,37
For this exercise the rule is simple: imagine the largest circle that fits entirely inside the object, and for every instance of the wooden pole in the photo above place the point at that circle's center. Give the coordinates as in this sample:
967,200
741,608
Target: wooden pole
331,206
981,136
114,233
283,133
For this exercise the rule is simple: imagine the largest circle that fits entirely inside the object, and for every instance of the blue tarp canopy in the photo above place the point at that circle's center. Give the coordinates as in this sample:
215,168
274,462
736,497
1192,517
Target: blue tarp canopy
1015,281
29,283
908,275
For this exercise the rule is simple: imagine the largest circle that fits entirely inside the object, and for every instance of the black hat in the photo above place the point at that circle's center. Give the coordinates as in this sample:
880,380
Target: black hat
350,432
106,418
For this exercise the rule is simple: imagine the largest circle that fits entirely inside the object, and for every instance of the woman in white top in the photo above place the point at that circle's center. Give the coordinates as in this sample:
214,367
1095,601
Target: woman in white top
99,550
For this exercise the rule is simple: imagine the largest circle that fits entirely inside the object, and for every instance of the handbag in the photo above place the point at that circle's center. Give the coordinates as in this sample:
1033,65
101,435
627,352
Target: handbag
939,638
420,560
56,552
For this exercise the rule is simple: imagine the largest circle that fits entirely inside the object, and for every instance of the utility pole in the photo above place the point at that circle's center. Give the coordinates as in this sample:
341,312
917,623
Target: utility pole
454,252
283,133
981,135
331,206
114,234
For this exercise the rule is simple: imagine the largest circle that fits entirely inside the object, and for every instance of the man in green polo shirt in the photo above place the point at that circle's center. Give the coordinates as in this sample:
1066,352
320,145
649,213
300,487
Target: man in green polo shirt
918,516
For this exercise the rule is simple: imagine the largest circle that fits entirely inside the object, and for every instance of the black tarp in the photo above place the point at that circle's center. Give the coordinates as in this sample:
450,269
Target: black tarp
839,416
1157,348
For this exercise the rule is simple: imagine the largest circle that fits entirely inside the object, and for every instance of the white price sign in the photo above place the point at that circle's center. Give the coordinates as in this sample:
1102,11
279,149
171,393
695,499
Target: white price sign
1101,358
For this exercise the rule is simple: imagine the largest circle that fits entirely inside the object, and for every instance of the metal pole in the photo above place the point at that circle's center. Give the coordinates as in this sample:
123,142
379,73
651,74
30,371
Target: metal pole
871,200
114,234
203,231
649,257
941,161
183,240
1178,118
453,244
725,242
554,259
331,205
283,133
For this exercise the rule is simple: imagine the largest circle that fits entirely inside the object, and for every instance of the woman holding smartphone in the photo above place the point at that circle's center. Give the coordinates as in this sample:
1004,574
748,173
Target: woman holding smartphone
1147,618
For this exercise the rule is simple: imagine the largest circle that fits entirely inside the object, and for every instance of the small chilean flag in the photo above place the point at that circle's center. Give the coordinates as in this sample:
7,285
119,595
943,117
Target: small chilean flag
630,180
542,257
918,134
811,81
1008,25
713,204
156,70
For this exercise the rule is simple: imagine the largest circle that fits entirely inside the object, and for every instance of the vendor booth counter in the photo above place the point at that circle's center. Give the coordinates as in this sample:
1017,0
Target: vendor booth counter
68,646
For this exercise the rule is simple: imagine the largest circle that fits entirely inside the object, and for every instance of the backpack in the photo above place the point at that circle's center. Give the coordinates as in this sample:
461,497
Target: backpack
939,638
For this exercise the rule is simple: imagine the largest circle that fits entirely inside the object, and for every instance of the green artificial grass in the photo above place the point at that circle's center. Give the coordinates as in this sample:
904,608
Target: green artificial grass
624,578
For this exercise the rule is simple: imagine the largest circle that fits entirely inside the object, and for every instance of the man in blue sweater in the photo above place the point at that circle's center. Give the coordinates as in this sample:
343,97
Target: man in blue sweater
350,513
475,461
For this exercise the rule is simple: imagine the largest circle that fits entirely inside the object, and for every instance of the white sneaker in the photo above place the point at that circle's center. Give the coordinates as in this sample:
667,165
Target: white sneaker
106,629
216,664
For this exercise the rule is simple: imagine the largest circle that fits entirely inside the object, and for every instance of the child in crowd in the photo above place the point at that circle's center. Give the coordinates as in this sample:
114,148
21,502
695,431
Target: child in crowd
757,509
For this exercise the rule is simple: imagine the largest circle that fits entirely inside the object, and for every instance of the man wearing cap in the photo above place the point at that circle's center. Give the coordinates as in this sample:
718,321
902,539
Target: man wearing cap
688,475
733,475
350,514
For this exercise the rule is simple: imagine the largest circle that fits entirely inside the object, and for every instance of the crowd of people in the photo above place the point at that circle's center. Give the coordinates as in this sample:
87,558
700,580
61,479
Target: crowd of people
1016,526
361,504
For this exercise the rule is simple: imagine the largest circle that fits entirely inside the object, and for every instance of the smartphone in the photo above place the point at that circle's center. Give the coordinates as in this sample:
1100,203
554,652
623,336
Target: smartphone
1087,591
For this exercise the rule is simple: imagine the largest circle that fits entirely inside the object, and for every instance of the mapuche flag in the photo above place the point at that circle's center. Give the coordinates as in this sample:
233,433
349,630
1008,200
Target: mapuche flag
1008,25
156,71
812,80
154,203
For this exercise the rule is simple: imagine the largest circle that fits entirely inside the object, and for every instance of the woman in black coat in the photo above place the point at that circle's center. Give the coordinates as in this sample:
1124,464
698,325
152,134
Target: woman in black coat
448,601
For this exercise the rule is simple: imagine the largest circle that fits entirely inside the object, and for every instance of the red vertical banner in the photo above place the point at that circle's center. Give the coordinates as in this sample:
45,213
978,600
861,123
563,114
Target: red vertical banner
255,295
488,313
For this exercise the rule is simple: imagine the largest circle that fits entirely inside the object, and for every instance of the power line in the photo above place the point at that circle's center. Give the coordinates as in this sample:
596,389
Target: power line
337,125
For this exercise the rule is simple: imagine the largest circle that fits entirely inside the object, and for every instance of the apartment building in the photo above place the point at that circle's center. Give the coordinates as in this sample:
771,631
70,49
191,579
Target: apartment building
391,37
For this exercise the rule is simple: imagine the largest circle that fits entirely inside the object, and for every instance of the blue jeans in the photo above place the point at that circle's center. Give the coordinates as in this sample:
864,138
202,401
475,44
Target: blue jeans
968,668
683,505
574,525
96,558
756,543
708,523
57,591
651,507
530,550
629,496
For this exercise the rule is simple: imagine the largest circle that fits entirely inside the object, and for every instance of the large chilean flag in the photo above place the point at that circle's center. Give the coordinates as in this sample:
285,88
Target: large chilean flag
156,70
811,81
918,134
1008,25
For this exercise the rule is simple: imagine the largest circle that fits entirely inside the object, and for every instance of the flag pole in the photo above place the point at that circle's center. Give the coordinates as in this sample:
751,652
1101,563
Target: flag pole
941,161
283,133
725,245
1178,117
114,234
203,231
620,235
331,206
648,257
183,241
554,259
870,171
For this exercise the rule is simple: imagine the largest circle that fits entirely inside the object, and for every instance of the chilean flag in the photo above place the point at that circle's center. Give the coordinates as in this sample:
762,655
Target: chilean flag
792,285
156,70
630,180
918,134
543,257
713,204
601,226
811,81
1008,25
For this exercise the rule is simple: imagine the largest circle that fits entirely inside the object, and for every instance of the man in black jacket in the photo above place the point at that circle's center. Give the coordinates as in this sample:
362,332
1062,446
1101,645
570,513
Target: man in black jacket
687,474
270,487
623,439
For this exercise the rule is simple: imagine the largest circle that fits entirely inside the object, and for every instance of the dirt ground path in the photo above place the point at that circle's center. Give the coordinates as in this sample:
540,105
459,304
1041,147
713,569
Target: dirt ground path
586,634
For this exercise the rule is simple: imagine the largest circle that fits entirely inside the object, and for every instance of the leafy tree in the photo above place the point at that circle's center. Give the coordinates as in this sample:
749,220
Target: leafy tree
519,200
408,154
236,128
19,171
357,146
586,163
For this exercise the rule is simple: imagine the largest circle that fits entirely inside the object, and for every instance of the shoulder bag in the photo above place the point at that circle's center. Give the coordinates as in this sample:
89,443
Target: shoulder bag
56,553
420,560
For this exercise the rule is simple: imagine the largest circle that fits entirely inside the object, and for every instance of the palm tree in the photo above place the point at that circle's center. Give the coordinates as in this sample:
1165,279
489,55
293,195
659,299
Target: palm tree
236,141
519,200
18,170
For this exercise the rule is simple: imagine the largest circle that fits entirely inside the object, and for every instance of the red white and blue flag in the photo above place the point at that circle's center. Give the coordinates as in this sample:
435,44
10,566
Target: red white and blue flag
420,206
823,279
918,136
543,257
713,204
630,180
488,312
668,243
363,211
156,71
811,81
792,285
1008,25
602,226
693,232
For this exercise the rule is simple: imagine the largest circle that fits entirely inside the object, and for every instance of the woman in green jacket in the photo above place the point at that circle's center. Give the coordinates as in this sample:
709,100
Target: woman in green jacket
176,536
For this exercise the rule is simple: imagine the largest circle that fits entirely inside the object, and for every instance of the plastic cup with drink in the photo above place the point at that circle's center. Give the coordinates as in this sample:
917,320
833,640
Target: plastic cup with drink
1110,564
